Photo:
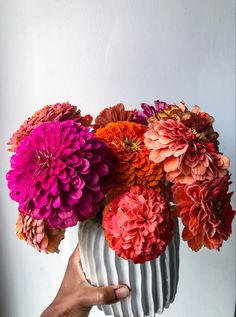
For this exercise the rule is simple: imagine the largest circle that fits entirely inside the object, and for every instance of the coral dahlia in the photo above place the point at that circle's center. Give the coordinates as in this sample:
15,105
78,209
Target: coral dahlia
133,166
186,157
138,224
60,172
205,211
38,234
49,113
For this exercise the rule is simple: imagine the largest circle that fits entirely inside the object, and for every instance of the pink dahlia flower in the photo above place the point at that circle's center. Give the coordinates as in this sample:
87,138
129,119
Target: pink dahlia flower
186,158
205,211
49,113
38,234
138,224
60,172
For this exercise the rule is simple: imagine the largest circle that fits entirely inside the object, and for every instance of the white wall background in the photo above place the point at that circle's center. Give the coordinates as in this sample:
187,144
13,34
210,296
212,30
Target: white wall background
95,54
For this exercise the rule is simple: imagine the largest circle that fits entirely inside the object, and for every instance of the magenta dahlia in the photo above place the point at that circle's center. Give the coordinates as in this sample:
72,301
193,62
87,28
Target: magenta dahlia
138,224
60,172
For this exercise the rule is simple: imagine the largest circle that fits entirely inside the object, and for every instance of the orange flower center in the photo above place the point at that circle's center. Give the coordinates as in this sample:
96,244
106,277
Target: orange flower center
131,145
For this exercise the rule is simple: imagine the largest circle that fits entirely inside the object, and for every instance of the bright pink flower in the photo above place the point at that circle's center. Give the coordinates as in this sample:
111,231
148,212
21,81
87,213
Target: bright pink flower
49,113
138,224
60,172
185,156
205,211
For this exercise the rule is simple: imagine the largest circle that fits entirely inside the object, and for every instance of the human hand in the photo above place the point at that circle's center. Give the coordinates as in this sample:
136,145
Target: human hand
76,296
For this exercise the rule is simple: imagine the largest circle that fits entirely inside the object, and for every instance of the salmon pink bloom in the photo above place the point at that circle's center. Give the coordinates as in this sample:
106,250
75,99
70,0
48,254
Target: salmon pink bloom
38,234
185,154
138,224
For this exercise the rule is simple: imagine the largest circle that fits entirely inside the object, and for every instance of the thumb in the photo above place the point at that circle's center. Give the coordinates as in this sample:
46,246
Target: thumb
105,295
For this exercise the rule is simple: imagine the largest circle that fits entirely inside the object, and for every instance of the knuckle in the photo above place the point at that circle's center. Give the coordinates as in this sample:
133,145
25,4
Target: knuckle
105,297
101,297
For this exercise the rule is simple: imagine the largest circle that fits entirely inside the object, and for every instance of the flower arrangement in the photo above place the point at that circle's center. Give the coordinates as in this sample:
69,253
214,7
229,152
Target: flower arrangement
130,170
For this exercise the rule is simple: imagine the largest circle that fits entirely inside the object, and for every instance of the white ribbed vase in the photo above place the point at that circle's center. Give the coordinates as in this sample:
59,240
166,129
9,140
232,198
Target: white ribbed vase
153,284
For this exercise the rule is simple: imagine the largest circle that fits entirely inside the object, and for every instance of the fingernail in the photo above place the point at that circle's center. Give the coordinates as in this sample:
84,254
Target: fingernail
122,292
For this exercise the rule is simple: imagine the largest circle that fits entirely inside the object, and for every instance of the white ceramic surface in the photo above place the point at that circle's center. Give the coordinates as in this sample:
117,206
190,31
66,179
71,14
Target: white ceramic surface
153,284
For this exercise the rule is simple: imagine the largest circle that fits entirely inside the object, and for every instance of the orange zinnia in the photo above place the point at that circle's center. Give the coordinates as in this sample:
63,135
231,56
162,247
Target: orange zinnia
133,166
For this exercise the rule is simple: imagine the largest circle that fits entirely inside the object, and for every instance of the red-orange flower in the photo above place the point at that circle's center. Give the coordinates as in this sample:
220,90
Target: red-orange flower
205,211
133,166
38,234
186,156
138,224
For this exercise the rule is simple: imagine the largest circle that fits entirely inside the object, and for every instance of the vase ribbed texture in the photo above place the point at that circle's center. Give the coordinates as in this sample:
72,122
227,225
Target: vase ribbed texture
153,284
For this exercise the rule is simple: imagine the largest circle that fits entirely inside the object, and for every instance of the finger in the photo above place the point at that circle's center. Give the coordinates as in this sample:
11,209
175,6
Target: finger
76,253
104,295
74,266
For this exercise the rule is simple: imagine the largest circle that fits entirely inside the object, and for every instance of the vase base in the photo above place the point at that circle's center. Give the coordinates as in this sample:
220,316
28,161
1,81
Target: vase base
153,284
